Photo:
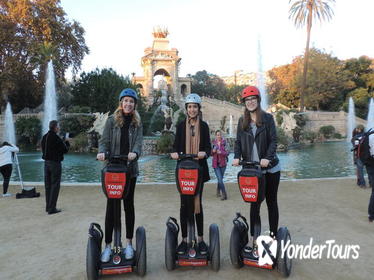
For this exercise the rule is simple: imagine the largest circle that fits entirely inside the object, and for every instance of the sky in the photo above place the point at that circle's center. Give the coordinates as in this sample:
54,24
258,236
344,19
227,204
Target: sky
218,36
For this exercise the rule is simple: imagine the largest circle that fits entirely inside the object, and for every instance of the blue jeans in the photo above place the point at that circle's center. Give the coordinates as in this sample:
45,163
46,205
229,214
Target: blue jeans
360,173
220,172
370,171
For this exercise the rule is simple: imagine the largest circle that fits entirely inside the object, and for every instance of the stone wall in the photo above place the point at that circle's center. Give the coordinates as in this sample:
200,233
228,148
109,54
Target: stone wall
336,119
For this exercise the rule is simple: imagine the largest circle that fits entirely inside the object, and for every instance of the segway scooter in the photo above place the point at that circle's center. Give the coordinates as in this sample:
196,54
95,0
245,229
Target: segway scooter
189,181
252,187
114,179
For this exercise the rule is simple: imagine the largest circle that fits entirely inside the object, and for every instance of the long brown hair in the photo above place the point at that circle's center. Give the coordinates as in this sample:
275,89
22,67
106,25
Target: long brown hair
247,116
118,116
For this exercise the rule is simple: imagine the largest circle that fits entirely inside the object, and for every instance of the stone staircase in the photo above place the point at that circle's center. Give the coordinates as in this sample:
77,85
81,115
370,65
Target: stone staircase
215,110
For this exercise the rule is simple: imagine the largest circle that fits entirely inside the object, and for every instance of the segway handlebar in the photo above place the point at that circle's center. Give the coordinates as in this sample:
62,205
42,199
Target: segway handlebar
249,163
187,156
252,164
117,157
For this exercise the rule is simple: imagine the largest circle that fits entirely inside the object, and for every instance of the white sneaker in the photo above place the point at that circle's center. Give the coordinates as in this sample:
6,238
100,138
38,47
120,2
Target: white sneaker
129,252
105,255
7,194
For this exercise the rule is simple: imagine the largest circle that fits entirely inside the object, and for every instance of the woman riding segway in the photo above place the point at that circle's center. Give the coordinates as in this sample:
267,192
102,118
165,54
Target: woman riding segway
123,135
192,137
256,141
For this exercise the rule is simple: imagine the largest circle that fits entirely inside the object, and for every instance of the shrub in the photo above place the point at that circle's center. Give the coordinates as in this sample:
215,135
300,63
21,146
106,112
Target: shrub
300,120
79,109
28,130
80,143
279,118
165,143
76,124
181,116
296,133
327,131
310,136
157,123
337,135
282,137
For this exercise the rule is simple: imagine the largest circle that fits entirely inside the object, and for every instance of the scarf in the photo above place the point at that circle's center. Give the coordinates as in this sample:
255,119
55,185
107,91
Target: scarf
192,146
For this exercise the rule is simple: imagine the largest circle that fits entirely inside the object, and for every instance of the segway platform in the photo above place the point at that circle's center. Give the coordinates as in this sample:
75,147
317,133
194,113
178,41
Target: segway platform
189,181
192,258
117,265
114,185
252,189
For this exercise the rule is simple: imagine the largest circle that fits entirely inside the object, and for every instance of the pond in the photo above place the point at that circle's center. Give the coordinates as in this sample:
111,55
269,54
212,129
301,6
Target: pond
332,159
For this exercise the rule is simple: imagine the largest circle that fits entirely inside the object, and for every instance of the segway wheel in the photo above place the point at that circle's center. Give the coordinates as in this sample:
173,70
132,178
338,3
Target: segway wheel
235,248
141,251
92,259
284,264
170,249
214,247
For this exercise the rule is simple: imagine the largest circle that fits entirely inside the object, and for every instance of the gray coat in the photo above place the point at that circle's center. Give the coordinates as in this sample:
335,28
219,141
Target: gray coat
110,141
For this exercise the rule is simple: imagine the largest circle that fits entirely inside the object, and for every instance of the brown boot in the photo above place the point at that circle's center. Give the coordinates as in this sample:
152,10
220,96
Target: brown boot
218,193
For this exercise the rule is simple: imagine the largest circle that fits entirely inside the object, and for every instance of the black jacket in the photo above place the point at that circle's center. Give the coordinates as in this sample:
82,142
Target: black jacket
205,146
266,141
53,147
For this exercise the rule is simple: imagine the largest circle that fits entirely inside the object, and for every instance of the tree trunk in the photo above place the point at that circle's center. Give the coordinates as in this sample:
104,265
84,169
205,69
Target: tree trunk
306,59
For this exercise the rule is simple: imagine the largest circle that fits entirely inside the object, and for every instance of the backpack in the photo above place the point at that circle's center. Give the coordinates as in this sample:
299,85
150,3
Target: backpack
365,149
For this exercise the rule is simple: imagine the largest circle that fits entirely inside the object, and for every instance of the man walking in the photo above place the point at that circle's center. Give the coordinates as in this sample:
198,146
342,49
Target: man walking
53,148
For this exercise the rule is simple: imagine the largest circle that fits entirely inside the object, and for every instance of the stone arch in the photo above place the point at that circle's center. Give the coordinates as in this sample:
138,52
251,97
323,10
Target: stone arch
161,71
183,90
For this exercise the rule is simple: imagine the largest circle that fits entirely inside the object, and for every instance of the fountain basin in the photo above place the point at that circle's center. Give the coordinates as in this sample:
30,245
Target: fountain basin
332,159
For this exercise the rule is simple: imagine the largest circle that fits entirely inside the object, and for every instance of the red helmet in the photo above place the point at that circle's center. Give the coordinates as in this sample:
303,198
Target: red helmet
250,91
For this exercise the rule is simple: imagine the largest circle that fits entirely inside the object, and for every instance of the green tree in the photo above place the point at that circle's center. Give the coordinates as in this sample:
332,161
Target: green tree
282,87
327,82
361,98
99,90
31,33
302,12
28,130
361,72
233,93
361,83
207,84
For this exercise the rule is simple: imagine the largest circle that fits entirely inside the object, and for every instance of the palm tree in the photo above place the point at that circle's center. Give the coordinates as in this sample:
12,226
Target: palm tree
302,12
